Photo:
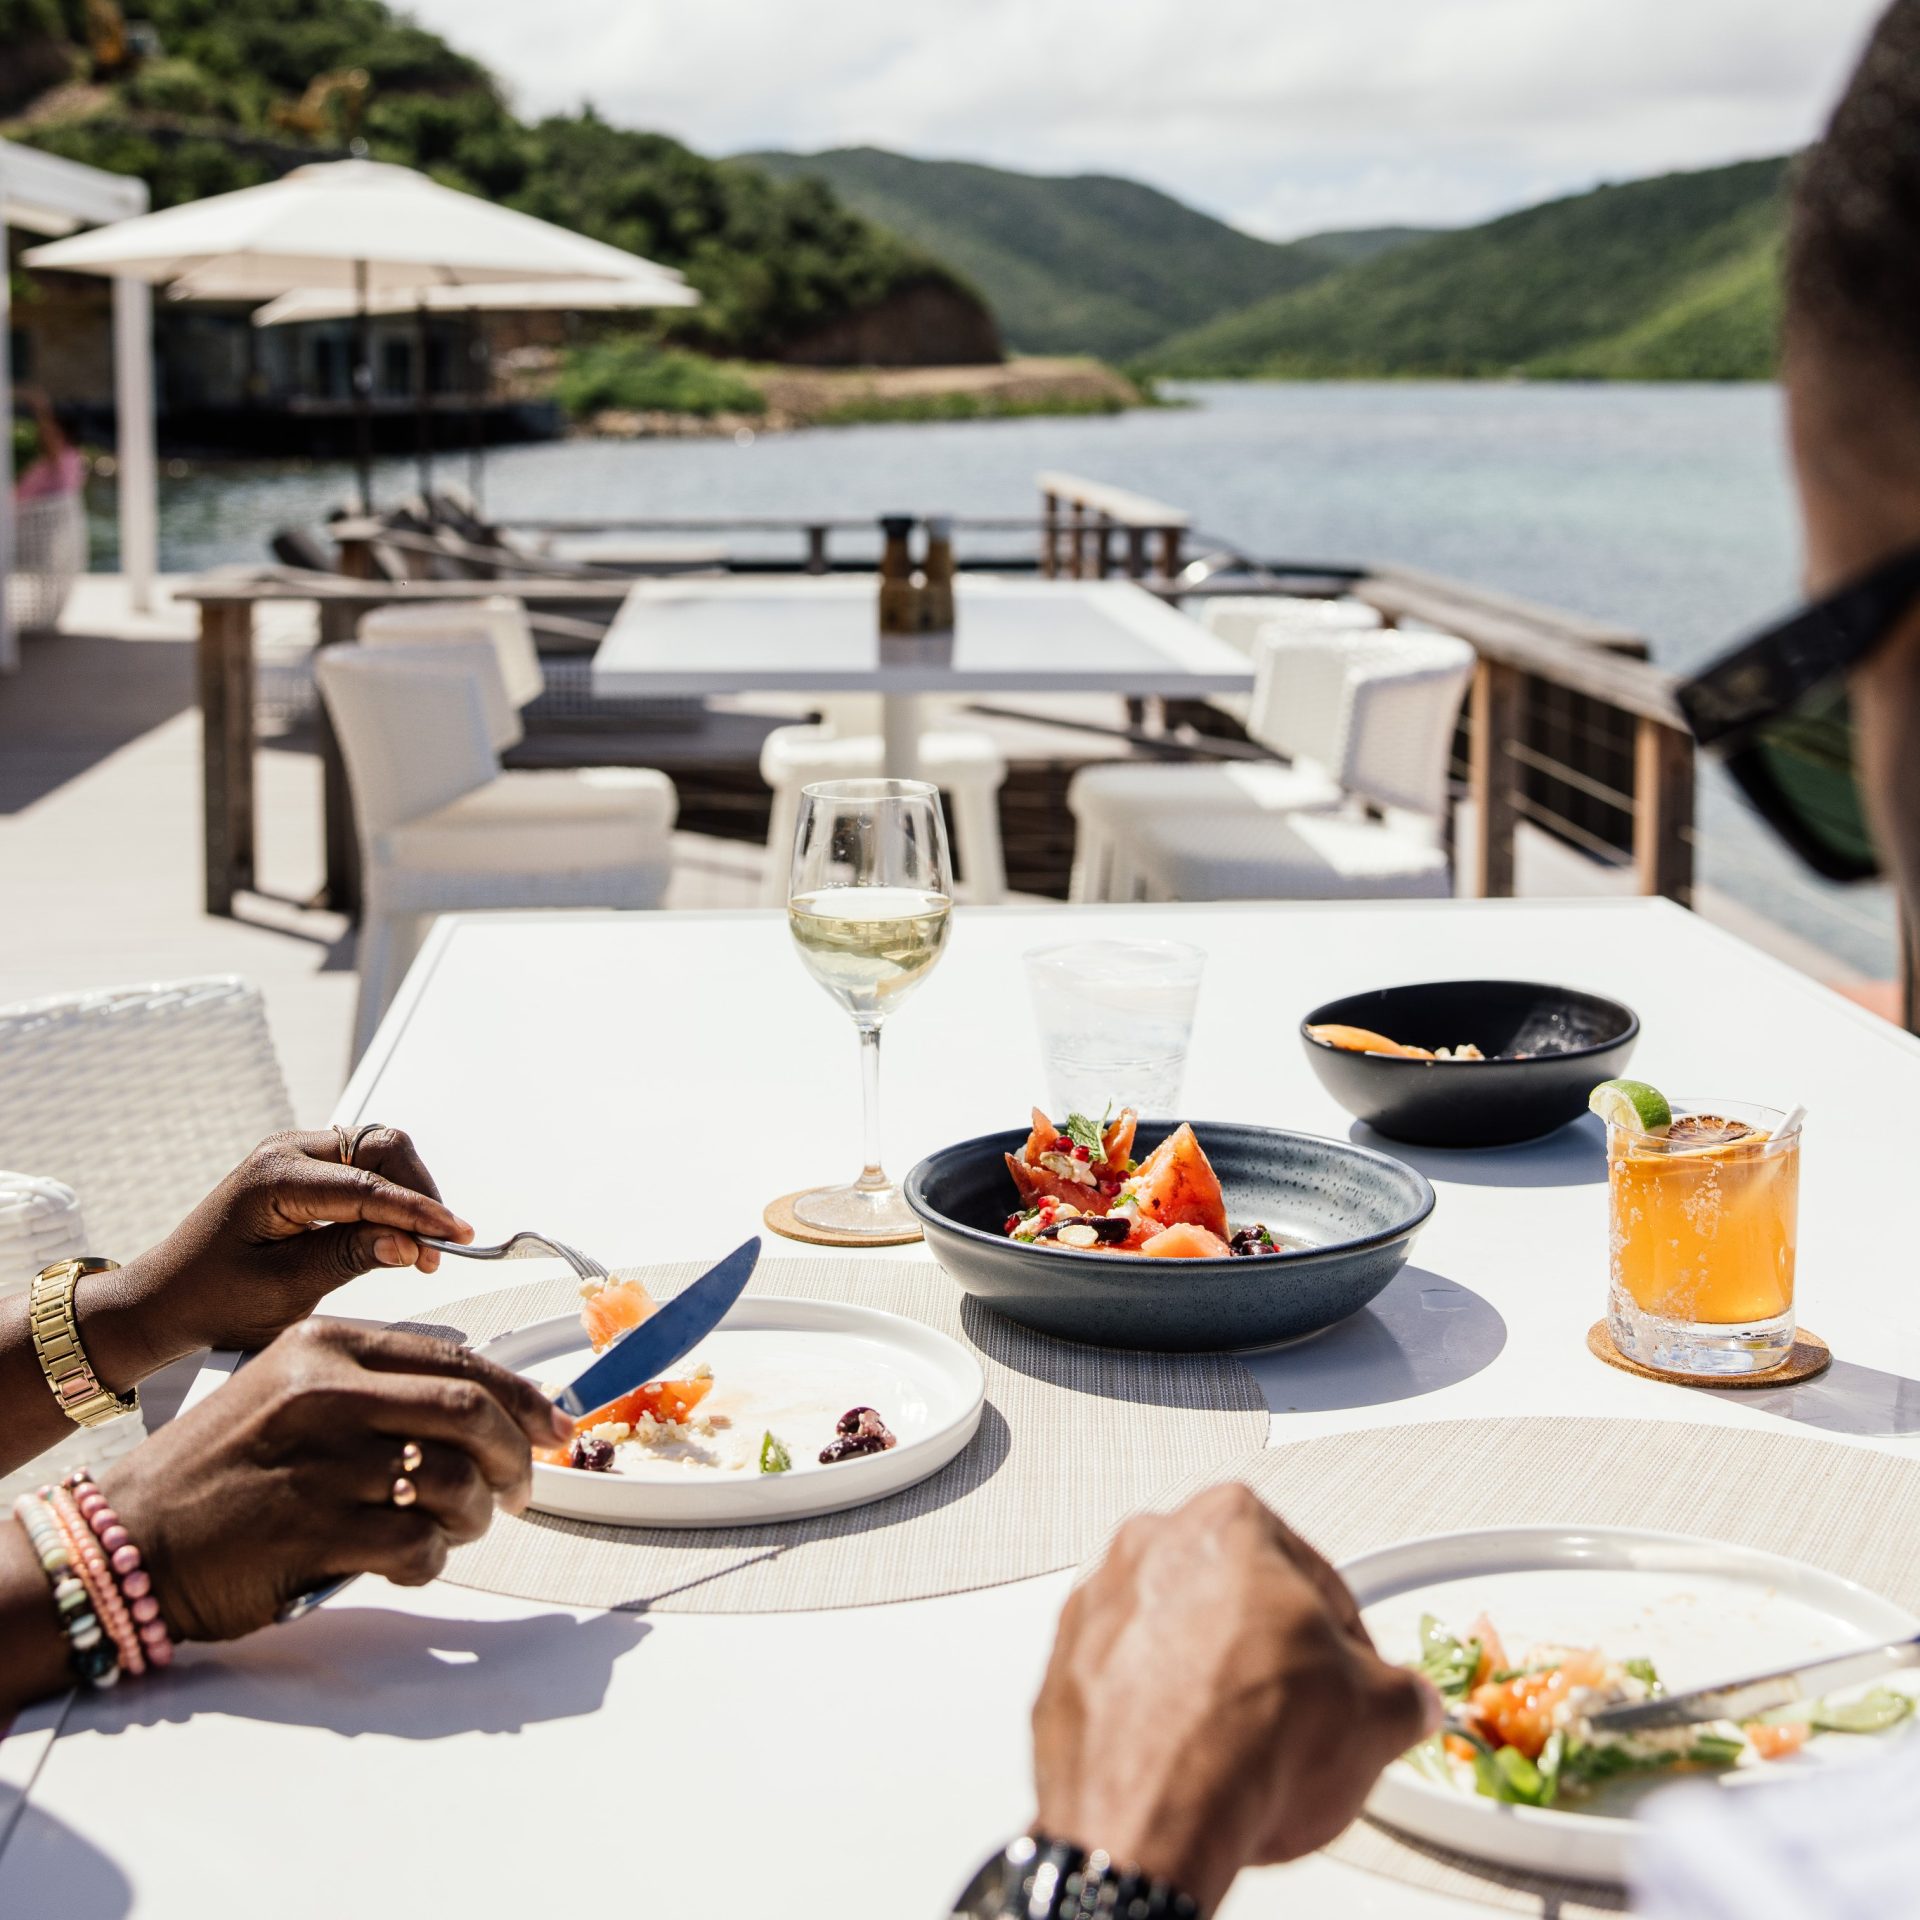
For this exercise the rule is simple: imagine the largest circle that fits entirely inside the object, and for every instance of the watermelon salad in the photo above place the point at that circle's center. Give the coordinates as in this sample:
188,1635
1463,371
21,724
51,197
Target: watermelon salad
1082,1191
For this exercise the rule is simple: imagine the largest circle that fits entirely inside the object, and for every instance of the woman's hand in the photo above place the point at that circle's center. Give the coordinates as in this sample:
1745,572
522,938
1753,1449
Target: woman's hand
284,1478
254,1257
1213,1700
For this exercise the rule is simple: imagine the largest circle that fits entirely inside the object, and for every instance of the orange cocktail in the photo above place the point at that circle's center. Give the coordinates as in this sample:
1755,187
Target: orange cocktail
1703,1226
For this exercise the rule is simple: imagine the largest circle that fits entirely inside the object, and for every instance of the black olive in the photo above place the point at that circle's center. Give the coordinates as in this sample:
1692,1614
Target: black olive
591,1455
1110,1229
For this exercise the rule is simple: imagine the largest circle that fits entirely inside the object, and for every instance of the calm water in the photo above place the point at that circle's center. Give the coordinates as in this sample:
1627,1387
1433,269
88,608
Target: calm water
1665,509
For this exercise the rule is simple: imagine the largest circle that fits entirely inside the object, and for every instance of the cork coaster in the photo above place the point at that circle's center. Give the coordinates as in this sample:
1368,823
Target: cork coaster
780,1218
1810,1355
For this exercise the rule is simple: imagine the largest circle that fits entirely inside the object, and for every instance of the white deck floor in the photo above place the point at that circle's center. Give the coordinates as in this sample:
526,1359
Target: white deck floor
100,842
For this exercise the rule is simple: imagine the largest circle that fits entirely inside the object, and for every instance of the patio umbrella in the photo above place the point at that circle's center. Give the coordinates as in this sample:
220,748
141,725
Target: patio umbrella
358,226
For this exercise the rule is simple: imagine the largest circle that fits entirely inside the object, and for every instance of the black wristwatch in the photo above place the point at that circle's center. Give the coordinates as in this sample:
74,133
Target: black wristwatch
1034,1878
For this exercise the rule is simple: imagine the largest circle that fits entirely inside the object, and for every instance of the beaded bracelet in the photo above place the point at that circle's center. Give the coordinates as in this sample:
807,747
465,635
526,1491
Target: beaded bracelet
91,1564
90,1654
123,1559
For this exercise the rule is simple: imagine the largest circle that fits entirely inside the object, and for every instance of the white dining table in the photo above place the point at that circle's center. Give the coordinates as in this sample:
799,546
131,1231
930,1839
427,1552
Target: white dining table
1011,637
641,1084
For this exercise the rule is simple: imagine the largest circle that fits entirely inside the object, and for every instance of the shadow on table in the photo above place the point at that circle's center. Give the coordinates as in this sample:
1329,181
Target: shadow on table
716,1552
1847,1398
368,1670
1114,1373
46,1856
1423,1333
1576,1156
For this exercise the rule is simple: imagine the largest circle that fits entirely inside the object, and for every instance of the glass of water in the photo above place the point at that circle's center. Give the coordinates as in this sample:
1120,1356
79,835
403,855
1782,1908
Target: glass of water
868,907
1115,1017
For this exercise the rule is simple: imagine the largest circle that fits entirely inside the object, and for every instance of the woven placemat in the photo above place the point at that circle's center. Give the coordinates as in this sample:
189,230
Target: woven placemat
1813,1500
1809,1355
1072,1440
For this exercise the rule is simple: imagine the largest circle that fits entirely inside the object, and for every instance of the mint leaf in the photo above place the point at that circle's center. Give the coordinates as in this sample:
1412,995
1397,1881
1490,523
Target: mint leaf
774,1457
1085,1133
1643,1670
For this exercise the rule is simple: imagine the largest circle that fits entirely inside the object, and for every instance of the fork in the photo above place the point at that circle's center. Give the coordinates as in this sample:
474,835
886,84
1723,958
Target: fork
523,1246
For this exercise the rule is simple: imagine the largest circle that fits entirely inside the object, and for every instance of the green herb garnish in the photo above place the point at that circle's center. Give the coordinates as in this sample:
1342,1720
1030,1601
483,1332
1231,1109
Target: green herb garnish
1449,1663
774,1457
1086,1133
1642,1670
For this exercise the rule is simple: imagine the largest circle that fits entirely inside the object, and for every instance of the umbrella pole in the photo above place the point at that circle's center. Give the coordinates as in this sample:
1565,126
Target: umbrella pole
476,405
423,405
362,388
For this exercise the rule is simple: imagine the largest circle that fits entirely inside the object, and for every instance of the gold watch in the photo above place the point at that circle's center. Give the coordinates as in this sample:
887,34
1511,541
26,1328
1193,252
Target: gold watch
56,1339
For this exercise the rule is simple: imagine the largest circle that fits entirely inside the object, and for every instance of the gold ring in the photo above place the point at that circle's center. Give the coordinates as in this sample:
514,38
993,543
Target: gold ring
405,1493
410,1458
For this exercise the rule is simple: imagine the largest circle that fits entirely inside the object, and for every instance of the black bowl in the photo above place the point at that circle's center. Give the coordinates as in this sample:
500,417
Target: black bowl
1357,1209
1572,1040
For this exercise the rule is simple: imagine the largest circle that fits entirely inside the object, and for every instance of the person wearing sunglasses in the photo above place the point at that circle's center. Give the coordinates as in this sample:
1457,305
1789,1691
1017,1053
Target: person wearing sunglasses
1813,716
1213,1700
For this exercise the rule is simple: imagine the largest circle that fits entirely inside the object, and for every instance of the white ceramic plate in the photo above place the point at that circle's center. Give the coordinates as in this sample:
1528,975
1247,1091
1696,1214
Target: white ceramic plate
789,1366
1701,1611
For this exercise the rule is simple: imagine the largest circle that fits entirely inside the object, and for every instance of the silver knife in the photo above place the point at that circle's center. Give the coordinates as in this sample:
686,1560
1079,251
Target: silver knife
646,1351
1740,1700
639,1355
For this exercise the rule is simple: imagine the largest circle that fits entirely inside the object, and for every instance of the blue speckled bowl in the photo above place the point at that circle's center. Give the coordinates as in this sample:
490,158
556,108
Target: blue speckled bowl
1358,1210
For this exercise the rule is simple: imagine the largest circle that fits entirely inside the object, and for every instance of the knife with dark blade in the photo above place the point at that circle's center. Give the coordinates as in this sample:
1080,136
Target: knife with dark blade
638,1356
1741,1700
646,1351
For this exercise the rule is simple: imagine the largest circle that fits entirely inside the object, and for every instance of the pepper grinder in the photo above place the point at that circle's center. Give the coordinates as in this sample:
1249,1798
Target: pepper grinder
936,597
899,598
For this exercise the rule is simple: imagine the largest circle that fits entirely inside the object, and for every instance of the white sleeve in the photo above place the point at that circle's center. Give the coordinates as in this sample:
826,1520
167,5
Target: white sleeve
1840,1844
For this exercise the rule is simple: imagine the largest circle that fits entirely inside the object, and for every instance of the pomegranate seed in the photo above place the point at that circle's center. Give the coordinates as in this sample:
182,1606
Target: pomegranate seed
1080,1153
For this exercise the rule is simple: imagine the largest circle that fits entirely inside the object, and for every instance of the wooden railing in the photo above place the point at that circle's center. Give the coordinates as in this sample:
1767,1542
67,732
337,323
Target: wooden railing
1079,543
1567,725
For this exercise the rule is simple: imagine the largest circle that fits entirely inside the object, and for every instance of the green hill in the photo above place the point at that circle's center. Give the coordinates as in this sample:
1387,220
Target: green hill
200,96
1086,264
1674,277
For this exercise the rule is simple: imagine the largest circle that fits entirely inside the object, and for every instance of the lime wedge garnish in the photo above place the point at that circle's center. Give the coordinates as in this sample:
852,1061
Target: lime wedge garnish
1631,1105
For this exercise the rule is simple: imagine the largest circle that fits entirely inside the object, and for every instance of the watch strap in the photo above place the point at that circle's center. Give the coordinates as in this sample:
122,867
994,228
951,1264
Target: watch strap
58,1347
1034,1878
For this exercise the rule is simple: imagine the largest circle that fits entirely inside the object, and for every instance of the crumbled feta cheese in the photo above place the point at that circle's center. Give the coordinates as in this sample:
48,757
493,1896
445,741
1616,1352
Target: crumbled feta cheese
703,1371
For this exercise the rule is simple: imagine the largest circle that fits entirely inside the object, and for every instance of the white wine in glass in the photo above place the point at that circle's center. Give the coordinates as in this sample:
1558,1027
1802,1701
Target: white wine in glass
868,908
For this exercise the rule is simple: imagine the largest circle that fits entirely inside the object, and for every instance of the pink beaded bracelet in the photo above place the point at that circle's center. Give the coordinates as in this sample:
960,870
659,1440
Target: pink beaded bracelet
97,1577
123,1560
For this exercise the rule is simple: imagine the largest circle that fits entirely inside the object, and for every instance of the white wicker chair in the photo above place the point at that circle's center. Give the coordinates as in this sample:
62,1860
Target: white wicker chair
1243,621
1400,696
133,1104
444,830
963,762
1299,709
141,1099
49,555
40,1223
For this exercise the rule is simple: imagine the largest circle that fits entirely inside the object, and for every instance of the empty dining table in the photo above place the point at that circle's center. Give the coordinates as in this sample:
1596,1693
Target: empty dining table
642,1083
1011,637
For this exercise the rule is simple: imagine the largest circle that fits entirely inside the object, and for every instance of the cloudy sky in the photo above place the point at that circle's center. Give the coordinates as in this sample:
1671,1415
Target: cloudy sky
1284,116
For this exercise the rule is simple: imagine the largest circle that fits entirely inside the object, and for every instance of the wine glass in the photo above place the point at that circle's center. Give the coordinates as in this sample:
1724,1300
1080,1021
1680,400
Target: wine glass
868,906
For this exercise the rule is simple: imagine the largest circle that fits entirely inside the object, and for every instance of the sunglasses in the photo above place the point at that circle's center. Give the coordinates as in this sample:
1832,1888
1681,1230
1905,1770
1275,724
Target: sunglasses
1775,709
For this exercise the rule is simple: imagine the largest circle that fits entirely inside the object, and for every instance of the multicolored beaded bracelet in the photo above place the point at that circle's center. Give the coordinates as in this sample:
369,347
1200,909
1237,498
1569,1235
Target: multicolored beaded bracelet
123,1559
90,1653
91,1563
